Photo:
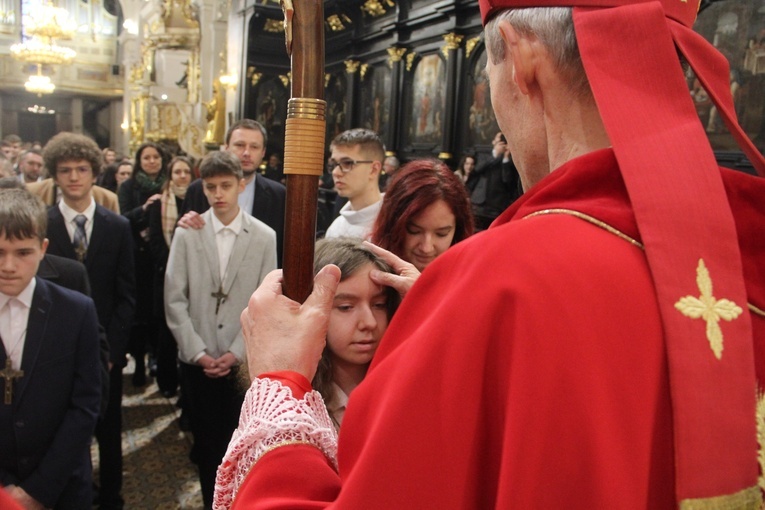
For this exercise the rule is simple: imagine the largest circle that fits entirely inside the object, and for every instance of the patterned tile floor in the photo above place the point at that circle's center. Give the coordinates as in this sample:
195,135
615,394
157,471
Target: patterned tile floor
157,472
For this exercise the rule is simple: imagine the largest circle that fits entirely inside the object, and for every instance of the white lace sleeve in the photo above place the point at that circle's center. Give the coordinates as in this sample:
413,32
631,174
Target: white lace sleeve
271,417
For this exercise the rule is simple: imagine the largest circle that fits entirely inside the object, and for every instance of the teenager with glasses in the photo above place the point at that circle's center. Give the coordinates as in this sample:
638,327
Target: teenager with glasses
356,162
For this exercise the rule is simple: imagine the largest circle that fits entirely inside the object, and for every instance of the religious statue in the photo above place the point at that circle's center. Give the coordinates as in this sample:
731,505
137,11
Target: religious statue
184,81
216,115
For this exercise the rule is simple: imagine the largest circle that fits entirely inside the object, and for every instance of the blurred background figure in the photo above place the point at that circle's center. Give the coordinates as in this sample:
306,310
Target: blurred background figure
274,170
390,166
115,174
466,167
11,147
124,172
110,156
6,167
30,166
494,185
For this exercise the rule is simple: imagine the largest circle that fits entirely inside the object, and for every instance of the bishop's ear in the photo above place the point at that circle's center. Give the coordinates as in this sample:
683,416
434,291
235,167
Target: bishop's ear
521,51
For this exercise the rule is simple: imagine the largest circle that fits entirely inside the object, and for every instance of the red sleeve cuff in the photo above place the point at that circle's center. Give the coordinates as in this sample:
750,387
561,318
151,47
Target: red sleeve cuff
298,383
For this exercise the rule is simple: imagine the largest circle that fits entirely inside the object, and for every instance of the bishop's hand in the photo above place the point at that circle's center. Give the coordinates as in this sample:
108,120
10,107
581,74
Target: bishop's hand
281,334
405,273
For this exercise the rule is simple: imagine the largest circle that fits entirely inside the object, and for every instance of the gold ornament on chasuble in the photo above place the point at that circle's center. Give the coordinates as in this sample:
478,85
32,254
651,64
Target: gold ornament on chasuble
709,309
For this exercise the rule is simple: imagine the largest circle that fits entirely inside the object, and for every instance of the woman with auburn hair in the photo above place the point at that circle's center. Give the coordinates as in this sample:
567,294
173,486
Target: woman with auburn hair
425,210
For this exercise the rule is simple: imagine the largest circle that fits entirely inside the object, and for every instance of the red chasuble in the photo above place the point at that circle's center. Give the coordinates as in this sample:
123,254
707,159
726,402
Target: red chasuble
526,369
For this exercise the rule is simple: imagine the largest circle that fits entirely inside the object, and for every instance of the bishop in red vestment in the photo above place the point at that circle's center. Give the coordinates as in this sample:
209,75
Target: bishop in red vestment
601,346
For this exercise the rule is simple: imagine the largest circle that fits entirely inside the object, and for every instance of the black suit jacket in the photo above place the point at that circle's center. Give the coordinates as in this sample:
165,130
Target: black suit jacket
62,271
493,187
109,262
72,275
45,434
268,206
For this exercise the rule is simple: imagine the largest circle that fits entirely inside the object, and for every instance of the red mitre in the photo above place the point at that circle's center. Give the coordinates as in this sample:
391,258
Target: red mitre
679,10
629,52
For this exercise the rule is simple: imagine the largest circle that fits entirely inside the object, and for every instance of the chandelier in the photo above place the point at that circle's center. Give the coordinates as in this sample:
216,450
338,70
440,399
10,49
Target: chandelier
36,50
39,84
50,22
43,26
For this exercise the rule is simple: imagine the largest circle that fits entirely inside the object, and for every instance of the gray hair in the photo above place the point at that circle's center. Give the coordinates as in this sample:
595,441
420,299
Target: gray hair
554,28
393,160
27,152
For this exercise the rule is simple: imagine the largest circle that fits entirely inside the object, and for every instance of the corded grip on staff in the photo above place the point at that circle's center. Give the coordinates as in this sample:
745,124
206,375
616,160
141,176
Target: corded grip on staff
304,137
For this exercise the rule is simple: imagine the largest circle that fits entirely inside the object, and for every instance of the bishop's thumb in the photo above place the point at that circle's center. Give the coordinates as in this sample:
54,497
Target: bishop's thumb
324,288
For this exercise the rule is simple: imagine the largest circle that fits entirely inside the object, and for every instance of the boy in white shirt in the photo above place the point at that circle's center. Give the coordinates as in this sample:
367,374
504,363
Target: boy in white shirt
356,163
50,370
210,276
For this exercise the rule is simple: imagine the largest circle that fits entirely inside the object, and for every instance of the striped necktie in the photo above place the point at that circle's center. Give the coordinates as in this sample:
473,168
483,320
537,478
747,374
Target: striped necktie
80,238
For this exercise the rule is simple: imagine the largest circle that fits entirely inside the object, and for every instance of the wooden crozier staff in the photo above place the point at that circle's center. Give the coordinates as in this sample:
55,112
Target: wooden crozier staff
304,141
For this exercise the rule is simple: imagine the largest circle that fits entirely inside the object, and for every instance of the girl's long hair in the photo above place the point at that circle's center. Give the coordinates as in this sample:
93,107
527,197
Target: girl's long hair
349,255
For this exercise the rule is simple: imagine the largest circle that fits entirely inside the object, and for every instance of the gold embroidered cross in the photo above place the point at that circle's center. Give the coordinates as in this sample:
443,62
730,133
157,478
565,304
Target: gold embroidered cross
708,308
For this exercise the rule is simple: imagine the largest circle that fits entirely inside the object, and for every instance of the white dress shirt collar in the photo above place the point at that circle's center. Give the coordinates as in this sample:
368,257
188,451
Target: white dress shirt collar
13,323
225,239
25,296
69,214
337,407
246,198
235,226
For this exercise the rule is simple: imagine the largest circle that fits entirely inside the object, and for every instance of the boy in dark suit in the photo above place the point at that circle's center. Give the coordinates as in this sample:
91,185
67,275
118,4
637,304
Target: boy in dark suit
80,229
51,377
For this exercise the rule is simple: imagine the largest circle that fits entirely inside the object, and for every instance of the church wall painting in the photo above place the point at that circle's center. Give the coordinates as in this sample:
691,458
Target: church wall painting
737,30
271,110
337,107
428,101
375,99
481,119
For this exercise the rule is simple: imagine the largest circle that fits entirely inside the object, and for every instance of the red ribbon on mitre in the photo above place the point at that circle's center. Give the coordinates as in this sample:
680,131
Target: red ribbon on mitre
682,211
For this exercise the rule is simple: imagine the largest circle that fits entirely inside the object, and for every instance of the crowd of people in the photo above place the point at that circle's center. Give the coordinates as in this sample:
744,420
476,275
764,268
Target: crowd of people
456,365
557,360
170,250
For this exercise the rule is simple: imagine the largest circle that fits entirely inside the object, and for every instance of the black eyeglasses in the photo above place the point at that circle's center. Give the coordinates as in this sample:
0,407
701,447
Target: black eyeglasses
346,164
